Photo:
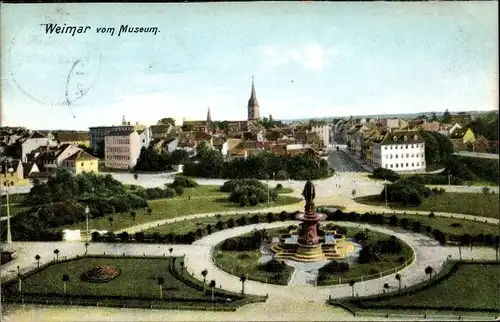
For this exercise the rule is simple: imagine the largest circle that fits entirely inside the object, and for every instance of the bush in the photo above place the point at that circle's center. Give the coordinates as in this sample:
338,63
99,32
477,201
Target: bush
279,186
184,182
385,174
282,175
336,267
243,256
179,190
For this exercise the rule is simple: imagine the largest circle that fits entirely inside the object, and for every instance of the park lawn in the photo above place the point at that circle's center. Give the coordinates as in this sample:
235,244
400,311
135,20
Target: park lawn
390,261
232,263
172,208
137,278
469,286
477,204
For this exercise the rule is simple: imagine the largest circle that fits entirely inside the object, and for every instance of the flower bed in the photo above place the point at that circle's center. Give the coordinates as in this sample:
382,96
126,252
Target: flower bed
101,274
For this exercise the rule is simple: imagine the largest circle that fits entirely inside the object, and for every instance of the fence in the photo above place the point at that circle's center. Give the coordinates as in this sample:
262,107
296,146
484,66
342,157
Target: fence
373,276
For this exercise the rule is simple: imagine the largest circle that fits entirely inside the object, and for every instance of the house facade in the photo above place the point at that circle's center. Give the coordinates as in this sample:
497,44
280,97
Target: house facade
81,162
98,133
400,152
15,178
122,149
34,141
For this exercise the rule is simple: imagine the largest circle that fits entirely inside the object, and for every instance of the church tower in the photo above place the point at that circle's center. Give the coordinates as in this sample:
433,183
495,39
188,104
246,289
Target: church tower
253,105
209,121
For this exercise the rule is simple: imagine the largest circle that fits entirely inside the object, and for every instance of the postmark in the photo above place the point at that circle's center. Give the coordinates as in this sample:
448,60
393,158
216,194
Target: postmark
67,75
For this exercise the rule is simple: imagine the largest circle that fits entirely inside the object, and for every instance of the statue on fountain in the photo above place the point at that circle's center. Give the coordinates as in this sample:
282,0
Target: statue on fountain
309,193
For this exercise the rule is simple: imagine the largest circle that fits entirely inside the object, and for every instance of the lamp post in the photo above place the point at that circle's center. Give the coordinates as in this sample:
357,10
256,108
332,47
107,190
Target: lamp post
7,185
87,210
449,178
274,174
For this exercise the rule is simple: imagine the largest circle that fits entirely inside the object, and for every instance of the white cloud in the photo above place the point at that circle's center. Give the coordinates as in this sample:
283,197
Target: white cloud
312,56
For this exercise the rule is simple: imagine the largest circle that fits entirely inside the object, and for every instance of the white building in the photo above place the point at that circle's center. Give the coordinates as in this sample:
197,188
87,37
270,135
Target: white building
34,141
323,132
122,149
401,151
145,136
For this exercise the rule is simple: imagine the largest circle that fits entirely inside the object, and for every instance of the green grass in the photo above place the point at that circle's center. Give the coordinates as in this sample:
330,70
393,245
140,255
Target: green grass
390,261
204,200
433,167
137,281
232,263
477,204
473,286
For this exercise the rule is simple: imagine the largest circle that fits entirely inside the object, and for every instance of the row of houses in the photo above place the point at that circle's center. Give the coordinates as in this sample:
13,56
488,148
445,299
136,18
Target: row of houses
397,144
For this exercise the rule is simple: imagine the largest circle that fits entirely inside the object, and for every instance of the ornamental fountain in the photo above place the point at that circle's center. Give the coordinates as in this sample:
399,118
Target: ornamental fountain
308,243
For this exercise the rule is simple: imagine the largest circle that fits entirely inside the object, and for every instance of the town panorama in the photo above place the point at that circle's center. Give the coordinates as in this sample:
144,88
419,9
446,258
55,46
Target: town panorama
303,193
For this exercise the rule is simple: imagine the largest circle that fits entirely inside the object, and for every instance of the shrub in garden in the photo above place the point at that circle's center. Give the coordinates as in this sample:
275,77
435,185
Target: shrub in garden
179,190
282,175
139,237
124,237
336,267
243,200
279,186
393,220
185,182
230,223
243,256
382,173
254,219
432,215
283,216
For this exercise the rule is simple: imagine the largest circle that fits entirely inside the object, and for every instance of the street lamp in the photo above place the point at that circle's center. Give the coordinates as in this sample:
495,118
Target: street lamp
87,210
7,185
274,180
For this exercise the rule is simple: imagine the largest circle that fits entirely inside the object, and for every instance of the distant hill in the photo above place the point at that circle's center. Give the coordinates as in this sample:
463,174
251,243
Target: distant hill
405,116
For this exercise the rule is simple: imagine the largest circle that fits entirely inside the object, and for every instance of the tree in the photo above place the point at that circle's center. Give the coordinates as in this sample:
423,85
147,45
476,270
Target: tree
110,219
466,240
428,271
136,176
150,211
65,279
160,281
432,150
182,267
212,286
170,250
86,247
20,282
133,214
386,287
433,117
37,258
447,118
56,252
351,284
166,121
204,274
398,278
243,278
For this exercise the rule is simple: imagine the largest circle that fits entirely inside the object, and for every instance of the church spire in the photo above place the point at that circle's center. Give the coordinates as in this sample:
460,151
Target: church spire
208,127
209,116
253,105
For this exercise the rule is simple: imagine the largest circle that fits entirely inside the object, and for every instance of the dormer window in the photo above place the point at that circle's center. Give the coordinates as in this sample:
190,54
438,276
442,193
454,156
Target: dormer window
415,137
395,138
405,138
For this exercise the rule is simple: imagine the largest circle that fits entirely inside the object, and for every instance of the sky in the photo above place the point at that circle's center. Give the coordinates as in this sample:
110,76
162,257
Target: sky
308,59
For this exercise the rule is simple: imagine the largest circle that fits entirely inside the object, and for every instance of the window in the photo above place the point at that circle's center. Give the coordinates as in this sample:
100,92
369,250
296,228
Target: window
391,156
407,155
385,148
401,165
395,138
418,163
415,137
396,156
407,164
412,164
91,162
391,147
12,183
411,146
397,165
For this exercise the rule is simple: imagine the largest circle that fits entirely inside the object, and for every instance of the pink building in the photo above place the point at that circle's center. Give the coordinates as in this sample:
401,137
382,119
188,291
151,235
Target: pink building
122,148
